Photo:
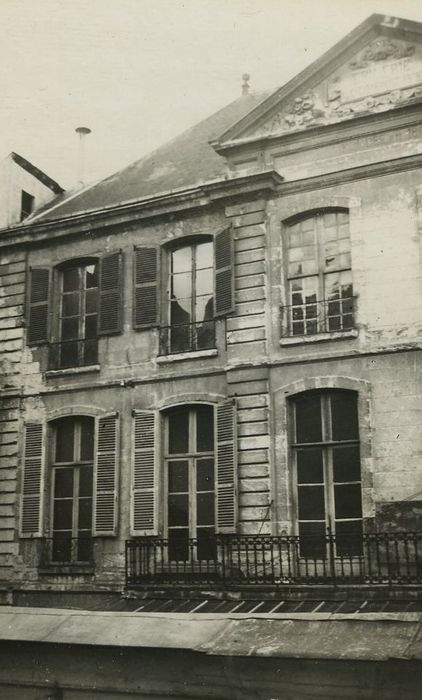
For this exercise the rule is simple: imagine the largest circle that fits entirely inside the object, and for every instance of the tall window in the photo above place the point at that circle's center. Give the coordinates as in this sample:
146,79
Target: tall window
72,468
191,291
78,316
319,275
325,446
189,470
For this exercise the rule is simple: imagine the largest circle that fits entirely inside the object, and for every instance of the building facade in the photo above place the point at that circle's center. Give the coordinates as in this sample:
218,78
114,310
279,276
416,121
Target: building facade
212,360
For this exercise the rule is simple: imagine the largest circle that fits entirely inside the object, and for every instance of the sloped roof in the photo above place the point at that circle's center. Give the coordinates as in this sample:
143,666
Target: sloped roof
183,162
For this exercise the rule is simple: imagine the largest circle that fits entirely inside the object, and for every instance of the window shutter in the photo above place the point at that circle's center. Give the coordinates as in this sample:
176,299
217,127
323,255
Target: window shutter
110,301
145,312
32,480
38,302
106,475
224,273
144,475
226,467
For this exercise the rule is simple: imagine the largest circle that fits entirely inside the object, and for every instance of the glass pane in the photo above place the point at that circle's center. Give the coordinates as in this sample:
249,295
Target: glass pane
205,512
312,540
181,287
204,282
204,428
71,279
344,416
85,514
70,328
63,513
181,312
91,301
63,483
91,326
204,308
346,463
204,255
87,439
69,354
90,351
92,275
348,501
84,548
178,509
178,477
65,431
178,422
207,546
205,475
349,539
308,419
85,481
182,259
70,304
178,542
310,466
311,502
181,339
205,335
62,547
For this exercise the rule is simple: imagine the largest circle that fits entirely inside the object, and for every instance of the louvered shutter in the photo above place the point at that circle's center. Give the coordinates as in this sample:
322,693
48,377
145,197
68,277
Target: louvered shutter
146,270
224,272
144,474
226,467
38,303
106,475
32,480
110,299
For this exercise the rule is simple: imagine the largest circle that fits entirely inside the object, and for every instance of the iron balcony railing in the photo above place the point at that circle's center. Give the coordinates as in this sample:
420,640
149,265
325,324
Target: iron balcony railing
73,353
312,318
187,337
66,551
241,560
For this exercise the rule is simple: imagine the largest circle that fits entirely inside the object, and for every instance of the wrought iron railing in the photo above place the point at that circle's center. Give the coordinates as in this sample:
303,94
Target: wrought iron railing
66,551
238,560
187,337
312,318
73,353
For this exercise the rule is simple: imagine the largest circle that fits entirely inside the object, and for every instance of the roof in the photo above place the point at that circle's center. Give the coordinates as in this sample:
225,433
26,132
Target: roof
183,162
36,172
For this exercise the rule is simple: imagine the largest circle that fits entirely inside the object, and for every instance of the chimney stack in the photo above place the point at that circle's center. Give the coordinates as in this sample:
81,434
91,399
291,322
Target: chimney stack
245,85
83,131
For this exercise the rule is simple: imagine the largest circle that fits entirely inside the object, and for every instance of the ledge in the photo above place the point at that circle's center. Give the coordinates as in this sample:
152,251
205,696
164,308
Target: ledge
66,570
72,371
164,359
320,337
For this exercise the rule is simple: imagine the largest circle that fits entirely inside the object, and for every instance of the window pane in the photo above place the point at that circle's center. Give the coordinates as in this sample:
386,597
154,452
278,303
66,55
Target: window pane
92,275
69,354
312,540
204,308
65,431
349,540
87,438
204,255
84,548
205,509
311,503
205,335
70,328
85,481
204,428
348,501
207,546
70,304
182,259
63,513
178,509
308,419
205,475
204,282
178,422
346,463
178,541
71,279
62,547
91,301
85,514
178,477
310,466
181,312
344,416
63,483
181,287
91,326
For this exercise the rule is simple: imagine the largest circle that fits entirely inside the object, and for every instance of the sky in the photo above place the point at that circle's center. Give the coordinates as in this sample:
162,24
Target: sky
138,72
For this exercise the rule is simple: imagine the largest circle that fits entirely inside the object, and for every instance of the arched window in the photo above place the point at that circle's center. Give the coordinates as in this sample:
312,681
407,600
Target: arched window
320,293
324,439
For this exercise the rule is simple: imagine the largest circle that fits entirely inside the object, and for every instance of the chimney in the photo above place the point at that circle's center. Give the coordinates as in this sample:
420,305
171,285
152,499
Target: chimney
83,132
245,85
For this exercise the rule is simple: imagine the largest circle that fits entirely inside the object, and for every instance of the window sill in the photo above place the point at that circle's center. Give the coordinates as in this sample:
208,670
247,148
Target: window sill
320,337
66,570
72,370
163,359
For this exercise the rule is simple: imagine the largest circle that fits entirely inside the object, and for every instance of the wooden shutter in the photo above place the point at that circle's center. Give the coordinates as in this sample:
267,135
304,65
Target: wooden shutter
106,475
38,303
224,273
32,480
110,299
144,474
145,310
226,467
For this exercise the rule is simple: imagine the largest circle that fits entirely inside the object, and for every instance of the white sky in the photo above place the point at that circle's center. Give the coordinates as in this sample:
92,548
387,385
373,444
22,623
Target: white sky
137,72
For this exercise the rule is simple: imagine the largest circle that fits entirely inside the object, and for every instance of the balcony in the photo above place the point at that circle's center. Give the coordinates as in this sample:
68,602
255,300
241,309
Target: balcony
187,337
386,559
318,317
73,353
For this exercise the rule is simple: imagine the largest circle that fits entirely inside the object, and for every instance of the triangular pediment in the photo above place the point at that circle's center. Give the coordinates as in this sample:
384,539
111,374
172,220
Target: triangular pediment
376,72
